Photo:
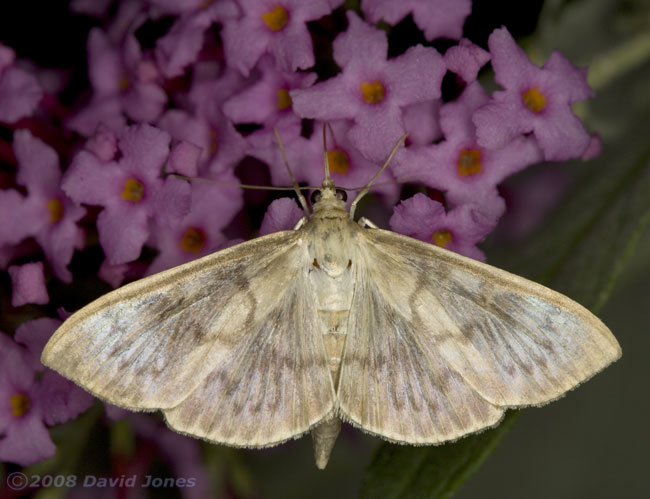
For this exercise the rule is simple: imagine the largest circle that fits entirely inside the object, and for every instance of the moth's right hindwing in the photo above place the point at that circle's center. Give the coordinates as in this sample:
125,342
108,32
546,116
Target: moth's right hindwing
149,344
440,337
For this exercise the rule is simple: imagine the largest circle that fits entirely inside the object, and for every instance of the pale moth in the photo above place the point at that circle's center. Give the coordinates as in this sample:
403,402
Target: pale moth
334,320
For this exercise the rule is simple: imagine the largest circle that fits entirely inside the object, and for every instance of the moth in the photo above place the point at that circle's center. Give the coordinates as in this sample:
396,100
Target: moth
336,320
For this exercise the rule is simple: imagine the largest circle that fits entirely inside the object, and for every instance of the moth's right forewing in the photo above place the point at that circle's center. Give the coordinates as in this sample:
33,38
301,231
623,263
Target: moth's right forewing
516,342
149,344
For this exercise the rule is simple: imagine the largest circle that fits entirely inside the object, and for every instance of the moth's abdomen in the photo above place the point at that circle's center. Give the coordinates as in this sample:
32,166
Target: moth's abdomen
334,327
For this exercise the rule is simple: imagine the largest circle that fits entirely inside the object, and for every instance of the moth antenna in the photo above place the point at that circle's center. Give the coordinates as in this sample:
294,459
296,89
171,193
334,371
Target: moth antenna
296,187
328,180
366,187
242,186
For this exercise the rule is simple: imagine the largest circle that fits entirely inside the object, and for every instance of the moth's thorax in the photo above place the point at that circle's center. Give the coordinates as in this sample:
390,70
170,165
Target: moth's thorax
330,239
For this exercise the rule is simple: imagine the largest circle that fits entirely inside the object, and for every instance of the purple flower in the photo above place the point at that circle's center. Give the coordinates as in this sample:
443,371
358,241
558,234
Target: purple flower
61,400
348,167
20,92
27,401
304,158
33,335
205,125
466,59
181,44
24,437
113,274
458,165
457,230
275,27
372,90
13,229
199,233
28,284
437,18
536,100
282,214
422,123
267,102
130,189
124,82
50,216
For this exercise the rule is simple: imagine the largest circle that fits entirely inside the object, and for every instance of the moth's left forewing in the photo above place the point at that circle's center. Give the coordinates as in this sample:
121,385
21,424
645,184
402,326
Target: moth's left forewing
514,341
393,383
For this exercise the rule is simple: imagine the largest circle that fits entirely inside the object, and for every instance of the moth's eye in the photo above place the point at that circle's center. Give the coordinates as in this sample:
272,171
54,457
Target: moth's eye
342,195
315,197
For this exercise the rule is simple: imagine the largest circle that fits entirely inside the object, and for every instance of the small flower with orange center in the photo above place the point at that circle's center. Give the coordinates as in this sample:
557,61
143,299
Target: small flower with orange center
267,102
534,101
206,126
32,397
46,214
200,232
458,165
276,27
130,189
372,90
348,166
124,82
459,229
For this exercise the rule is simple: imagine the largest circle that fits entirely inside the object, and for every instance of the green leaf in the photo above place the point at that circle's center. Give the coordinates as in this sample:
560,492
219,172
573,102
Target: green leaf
401,472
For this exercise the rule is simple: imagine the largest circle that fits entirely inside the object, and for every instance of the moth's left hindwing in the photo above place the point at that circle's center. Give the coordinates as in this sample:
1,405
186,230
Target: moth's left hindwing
218,333
441,344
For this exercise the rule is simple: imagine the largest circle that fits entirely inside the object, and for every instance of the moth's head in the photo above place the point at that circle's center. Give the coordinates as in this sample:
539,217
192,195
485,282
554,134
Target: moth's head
328,197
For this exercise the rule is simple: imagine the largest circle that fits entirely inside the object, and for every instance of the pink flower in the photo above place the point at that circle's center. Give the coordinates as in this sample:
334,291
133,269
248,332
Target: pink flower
348,167
204,124
437,18
457,230
536,100
20,92
466,59
130,189
25,439
199,232
282,214
458,165
28,402
28,284
47,213
267,102
181,44
422,123
124,83
12,229
278,28
372,90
